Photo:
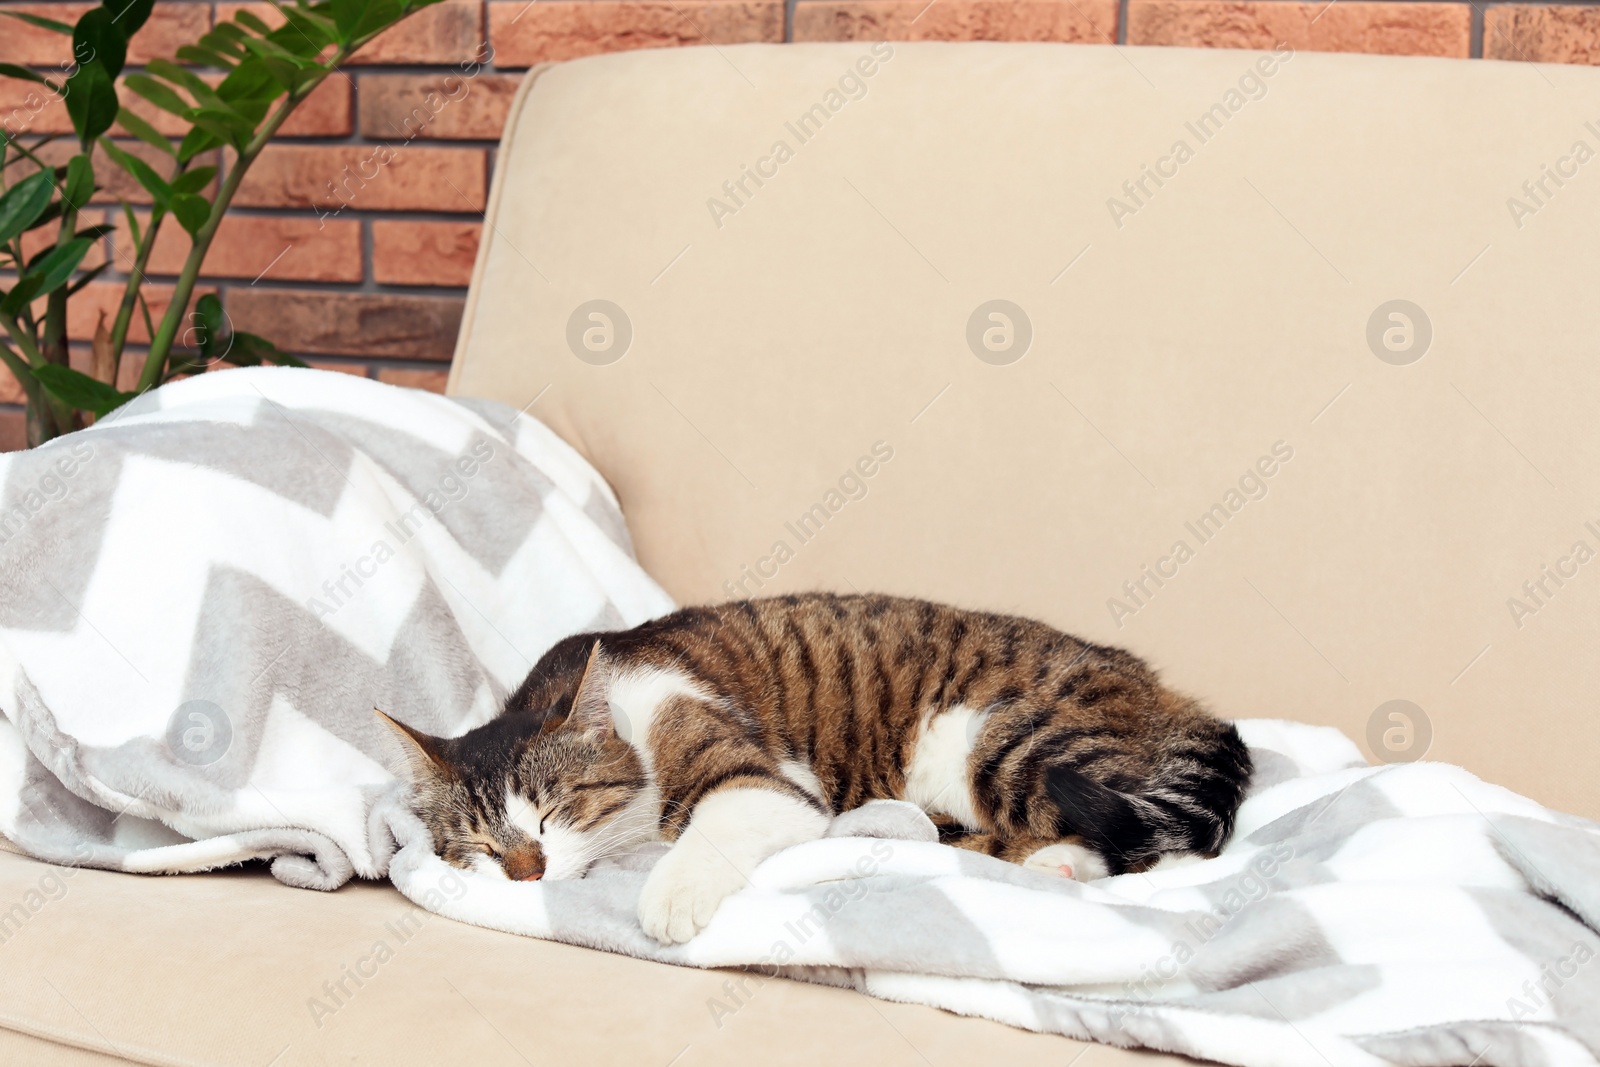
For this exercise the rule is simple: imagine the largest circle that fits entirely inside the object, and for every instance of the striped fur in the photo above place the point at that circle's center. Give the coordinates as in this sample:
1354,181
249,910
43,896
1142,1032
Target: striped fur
1014,736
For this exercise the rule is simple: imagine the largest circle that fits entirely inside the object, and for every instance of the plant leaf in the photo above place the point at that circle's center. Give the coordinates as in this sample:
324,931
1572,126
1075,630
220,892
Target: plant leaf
250,22
11,70
78,390
88,276
160,95
195,142
144,131
79,187
248,350
133,227
307,30
142,172
40,21
227,39
129,15
226,125
23,203
192,181
210,332
98,39
192,211
203,94
20,295
91,101
201,56
56,267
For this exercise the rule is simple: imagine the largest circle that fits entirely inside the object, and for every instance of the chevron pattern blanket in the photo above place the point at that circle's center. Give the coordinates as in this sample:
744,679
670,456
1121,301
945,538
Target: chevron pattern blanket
202,598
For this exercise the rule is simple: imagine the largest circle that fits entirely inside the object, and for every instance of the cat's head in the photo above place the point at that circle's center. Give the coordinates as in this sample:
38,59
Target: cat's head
533,795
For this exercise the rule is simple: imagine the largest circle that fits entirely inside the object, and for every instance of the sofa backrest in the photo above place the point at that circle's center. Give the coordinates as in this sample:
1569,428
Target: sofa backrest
1278,369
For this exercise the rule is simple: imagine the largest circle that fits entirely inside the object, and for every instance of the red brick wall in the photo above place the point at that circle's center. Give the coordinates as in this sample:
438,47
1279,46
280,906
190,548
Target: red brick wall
369,277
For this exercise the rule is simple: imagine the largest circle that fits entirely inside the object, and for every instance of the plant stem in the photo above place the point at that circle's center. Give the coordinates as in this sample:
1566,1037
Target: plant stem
130,297
161,344
52,417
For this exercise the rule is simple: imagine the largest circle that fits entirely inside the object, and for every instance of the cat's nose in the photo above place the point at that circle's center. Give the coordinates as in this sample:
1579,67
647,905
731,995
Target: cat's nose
524,864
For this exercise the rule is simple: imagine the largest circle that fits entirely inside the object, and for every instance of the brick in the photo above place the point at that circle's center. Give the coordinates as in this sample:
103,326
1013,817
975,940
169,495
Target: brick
169,26
39,47
451,32
1543,34
525,33
373,325
131,367
10,390
359,370
29,108
127,372
251,246
115,183
424,253
443,105
13,430
83,310
1410,28
325,113
406,177
431,380
164,121
956,20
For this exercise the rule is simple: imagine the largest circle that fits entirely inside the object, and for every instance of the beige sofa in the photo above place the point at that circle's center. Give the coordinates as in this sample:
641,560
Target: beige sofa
1376,502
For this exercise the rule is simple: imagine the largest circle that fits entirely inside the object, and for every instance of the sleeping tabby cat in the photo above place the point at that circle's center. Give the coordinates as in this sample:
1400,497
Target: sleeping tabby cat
739,730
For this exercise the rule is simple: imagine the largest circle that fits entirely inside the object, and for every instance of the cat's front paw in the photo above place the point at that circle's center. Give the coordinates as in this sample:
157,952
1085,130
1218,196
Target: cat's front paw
679,899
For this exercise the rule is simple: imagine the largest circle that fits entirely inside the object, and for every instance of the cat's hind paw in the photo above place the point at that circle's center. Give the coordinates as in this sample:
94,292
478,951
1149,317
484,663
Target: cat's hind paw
1069,861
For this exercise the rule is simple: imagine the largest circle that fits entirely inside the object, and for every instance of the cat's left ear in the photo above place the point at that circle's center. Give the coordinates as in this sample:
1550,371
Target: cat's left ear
591,711
424,753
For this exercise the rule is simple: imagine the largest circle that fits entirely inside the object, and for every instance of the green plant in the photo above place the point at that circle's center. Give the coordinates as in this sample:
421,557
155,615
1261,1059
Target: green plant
268,73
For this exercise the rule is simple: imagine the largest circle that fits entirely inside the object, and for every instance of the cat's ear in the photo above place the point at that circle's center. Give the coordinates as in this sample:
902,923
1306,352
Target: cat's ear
425,759
591,711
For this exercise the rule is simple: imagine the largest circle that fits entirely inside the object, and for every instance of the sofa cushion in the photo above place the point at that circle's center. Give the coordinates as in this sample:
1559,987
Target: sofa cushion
1291,390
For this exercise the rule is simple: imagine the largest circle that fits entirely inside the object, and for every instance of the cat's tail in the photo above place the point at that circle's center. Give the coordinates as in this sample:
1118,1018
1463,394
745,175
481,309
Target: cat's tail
1187,804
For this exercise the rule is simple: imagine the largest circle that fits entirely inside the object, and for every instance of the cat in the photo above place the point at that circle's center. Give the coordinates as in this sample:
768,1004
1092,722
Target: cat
738,730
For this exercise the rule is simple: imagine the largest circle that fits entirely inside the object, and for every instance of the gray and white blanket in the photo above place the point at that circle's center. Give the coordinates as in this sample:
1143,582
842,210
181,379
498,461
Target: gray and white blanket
202,598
